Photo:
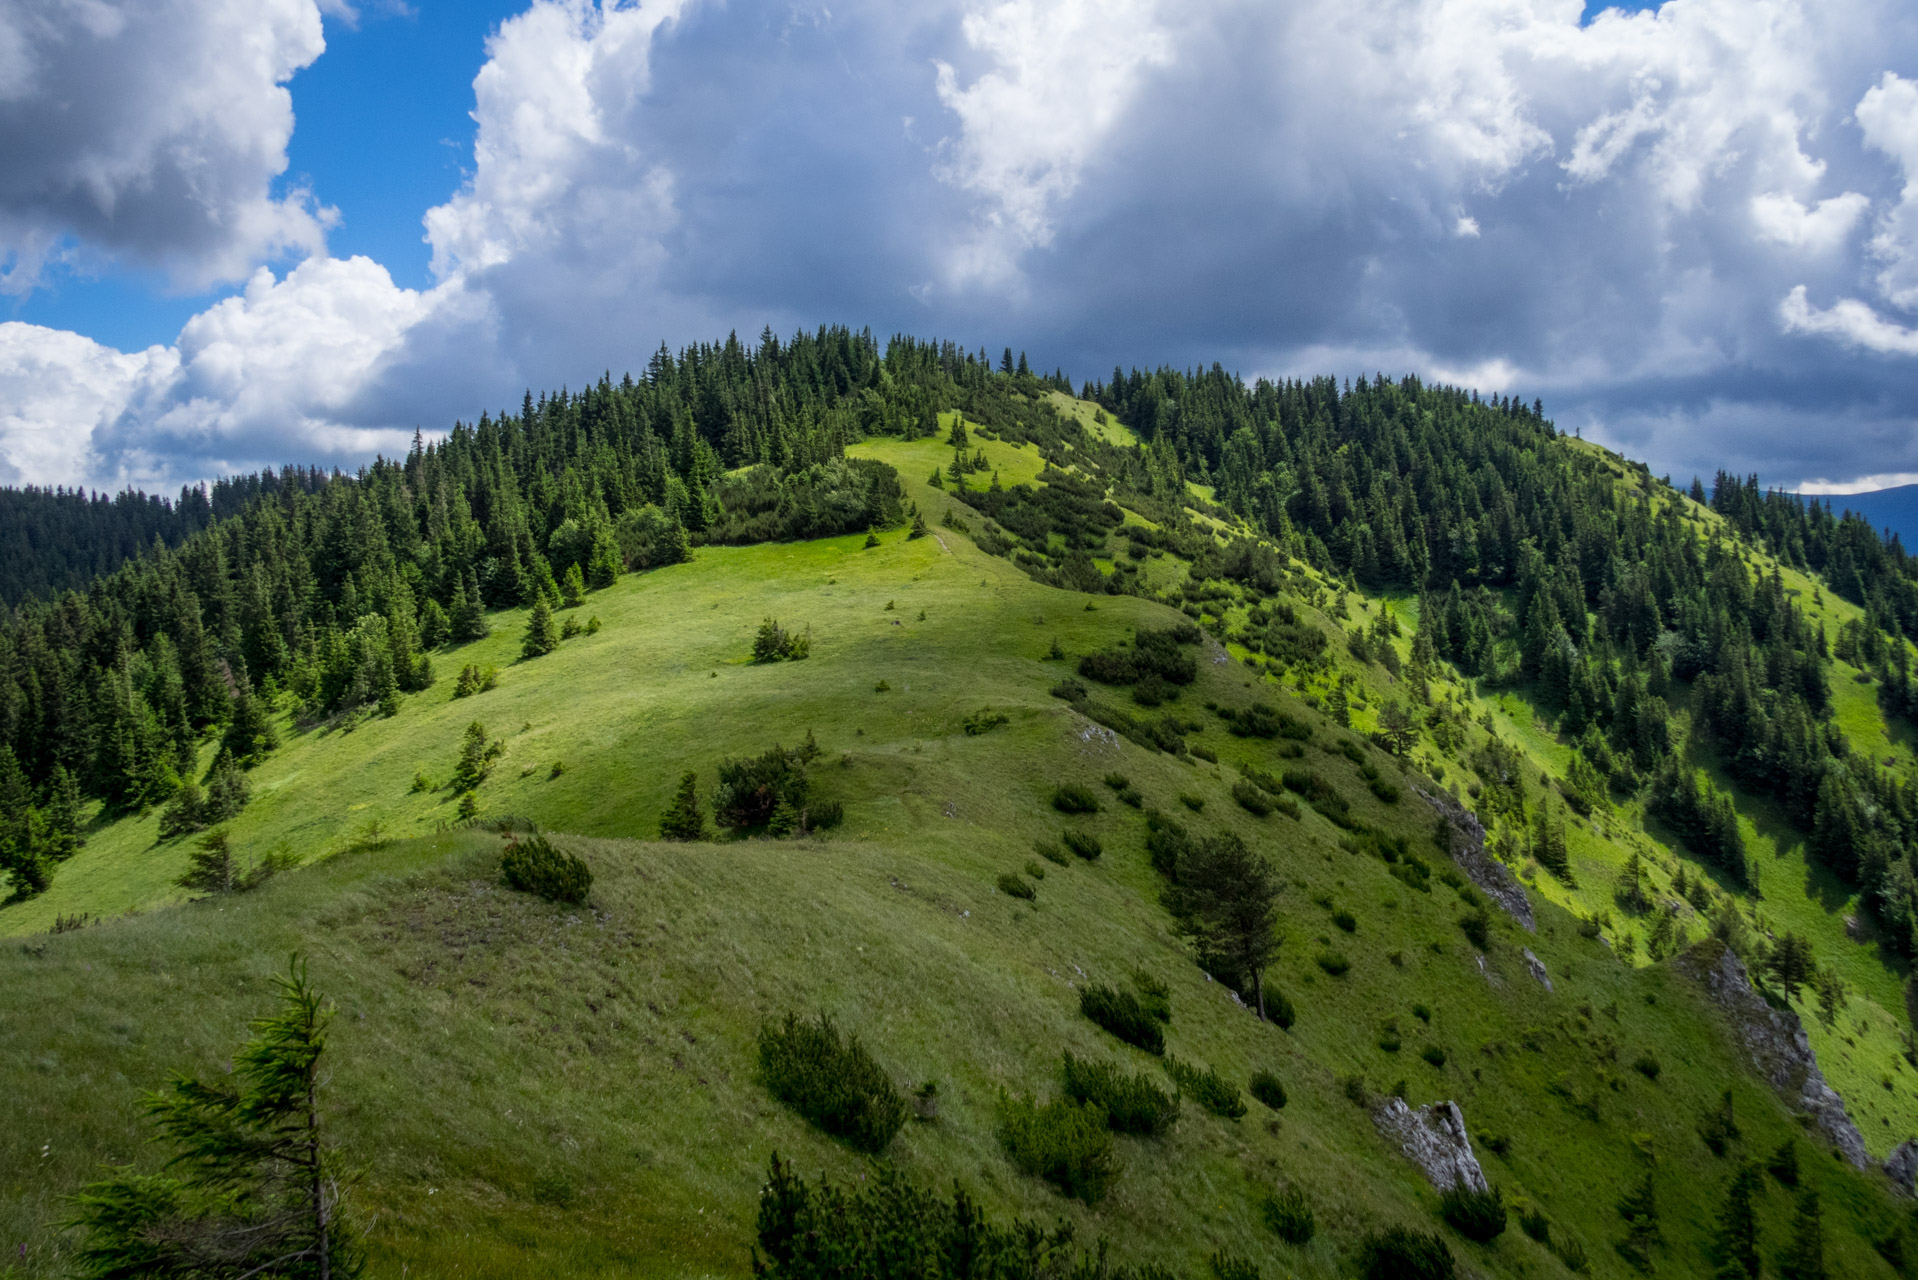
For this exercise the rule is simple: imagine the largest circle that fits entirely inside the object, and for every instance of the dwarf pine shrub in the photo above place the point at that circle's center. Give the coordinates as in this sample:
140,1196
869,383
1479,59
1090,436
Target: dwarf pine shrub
1290,1216
831,1081
1399,1254
1131,1102
538,867
1051,852
1083,843
1012,884
1333,962
1476,1215
1267,1088
1073,797
1122,1014
1251,799
1065,1142
1207,1088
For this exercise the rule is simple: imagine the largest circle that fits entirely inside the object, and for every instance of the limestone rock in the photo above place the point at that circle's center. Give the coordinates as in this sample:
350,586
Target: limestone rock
1776,1045
1537,966
1901,1166
1433,1138
1468,851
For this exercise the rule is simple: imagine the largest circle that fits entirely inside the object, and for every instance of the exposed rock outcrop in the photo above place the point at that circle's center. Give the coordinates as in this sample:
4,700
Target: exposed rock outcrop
1434,1139
1537,966
1775,1043
1467,840
1901,1166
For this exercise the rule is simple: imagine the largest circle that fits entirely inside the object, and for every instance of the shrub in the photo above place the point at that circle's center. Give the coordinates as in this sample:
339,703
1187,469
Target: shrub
1083,843
750,790
475,679
1011,883
832,1082
1398,1254
823,815
1345,920
1208,1088
1051,852
1572,1254
1389,1040
1034,870
1192,802
1070,690
1718,1127
1333,962
1290,1215
1065,1142
1072,797
1251,799
1122,1014
1386,791
1433,1054
1646,1065
1131,1102
1423,1012
1783,1164
1131,797
1154,995
1478,927
1117,781
683,819
774,643
1267,1089
1532,1221
984,720
1205,753
1497,1143
535,866
1476,1215
1278,1009
1230,1266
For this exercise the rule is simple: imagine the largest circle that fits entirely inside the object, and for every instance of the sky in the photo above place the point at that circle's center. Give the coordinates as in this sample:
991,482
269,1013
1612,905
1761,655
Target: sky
242,233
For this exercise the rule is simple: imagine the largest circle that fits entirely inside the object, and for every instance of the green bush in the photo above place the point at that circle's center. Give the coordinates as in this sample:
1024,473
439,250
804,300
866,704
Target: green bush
1532,1221
1646,1065
1192,802
535,866
1389,1039
1278,1009
1251,799
1478,927
1476,1215
1230,1266
750,790
1130,796
1122,1014
1398,1254
774,643
1208,1088
1267,1089
1290,1215
1051,852
1385,791
1345,920
1064,1142
831,1081
1131,1102
984,720
1083,843
1011,883
1433,1054
823,815
1154,996
1117,781
1333,962
1072,797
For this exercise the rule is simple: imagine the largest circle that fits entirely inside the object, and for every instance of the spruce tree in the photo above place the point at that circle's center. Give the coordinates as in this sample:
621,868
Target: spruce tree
957,437
474,759
253,1187
434,625
226,791
211,867
1734,1248
684,819
603,566
249,734
542,637
573,587
183,813
469,611
63,815
918,529
1804,1258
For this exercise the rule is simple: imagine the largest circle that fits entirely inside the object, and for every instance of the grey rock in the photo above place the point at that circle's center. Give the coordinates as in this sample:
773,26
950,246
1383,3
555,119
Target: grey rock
1901,1166
1775,1043
1433,1138
1537,966
1468,851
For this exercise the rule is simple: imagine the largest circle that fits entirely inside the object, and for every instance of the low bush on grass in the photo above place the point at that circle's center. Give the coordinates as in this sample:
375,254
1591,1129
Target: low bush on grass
1083,843
1072,797
1230,1266
1345,920
1718,1127
1154,995
1333,962
1389,1040
535,866
1385,791
1131,1102
1051,852
1290,1216
751,789
1192,802
831,1081
1207,1088
1278,1008
1267,1089
1064,1142
1476,1215
1477,926
984,720
1131,797
1398,1254
1251,799
1433,1055
775,643
1117,781
1012,884
1646,1065
1123,1014
475,679
1532,1221
1034,870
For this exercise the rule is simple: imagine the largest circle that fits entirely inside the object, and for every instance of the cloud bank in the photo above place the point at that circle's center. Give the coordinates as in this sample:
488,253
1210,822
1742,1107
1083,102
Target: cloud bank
1693,231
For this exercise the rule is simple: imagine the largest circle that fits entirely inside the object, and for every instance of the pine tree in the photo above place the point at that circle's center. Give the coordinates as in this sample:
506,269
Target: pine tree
226,791
542,637
918,529
603,566
250,734
469,611
957,438
253,1188
1792,963
684,819
573,587
434,625
1804,1258
1734,1248
63,815
183,813
211,867
475,758
1228,897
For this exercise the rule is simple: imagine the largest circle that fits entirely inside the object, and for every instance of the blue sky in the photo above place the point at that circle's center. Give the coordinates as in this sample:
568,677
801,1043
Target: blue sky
233,236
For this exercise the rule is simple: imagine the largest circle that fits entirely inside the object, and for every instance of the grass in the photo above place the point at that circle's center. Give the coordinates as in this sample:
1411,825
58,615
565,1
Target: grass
571,1091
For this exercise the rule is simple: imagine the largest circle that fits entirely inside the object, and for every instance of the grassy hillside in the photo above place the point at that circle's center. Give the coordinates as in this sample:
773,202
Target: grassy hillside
571,1092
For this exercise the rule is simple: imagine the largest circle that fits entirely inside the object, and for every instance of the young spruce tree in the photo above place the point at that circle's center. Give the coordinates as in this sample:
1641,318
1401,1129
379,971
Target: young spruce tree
542,637
252,1188
684,819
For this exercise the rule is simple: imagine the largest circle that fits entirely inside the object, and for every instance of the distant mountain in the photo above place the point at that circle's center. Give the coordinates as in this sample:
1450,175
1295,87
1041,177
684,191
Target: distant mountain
1895,509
